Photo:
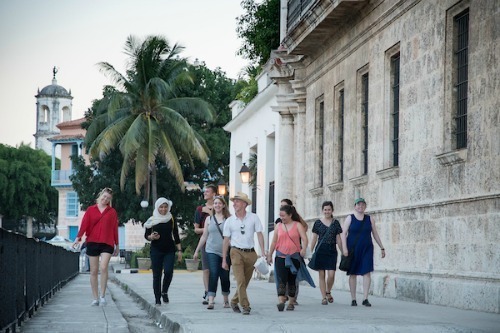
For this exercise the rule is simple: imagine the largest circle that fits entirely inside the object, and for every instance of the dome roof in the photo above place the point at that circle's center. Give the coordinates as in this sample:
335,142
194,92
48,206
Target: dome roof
54,90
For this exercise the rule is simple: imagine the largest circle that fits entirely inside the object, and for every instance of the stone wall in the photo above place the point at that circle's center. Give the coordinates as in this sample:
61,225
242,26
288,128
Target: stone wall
437,211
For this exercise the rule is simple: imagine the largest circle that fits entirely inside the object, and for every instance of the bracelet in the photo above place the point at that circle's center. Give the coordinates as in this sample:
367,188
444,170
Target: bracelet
382,249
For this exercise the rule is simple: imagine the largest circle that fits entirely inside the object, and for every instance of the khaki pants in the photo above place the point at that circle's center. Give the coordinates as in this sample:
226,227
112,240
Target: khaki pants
242,264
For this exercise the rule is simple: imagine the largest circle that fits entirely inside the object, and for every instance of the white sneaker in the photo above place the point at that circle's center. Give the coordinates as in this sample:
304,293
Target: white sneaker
102,301
95,303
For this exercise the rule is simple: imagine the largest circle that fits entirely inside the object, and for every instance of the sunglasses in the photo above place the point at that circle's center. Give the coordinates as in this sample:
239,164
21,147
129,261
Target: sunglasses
242,229
107,189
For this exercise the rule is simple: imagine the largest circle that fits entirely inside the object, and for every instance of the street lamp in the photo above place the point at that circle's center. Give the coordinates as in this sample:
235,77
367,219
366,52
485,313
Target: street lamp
245,174
221,187
144,204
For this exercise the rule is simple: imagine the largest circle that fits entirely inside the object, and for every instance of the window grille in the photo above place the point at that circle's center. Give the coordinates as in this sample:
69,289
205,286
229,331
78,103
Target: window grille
461,60
321,140
364,108
341,135
254,200
71,204
270,219
395,109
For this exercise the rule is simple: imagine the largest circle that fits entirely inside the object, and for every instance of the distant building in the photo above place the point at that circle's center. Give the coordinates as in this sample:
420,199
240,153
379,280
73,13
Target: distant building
70,141
254,131
395,101
63,140
53,105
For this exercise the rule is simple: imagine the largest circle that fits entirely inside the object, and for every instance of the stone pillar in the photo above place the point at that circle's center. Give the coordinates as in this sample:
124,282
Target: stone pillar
299,97
286,157
29,227
300,156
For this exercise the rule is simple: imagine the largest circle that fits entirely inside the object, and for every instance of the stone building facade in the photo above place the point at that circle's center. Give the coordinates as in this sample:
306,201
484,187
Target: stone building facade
397,101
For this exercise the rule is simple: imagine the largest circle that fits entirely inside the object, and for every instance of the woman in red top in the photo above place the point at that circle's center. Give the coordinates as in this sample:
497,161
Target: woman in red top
100,224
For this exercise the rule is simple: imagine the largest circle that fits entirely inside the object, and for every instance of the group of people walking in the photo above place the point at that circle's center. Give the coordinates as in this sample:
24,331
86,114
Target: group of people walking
227,241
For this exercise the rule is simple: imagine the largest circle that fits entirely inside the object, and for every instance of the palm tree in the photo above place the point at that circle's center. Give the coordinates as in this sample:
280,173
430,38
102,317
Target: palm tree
143,117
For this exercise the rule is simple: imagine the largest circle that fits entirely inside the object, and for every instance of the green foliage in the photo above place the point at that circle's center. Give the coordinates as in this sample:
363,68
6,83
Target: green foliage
211,86
186,254
252,165
259,28
218,90
89,180
25,184
146,118
144,252
248,91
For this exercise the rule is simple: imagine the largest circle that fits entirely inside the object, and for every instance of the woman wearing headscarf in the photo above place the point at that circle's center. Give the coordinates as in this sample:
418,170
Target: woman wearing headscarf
163,232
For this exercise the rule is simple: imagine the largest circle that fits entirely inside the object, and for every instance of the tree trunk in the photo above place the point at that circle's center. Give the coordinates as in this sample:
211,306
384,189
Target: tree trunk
154,190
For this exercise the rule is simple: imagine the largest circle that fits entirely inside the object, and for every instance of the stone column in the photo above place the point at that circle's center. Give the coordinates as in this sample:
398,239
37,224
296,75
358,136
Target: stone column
286,157
299,97
29,227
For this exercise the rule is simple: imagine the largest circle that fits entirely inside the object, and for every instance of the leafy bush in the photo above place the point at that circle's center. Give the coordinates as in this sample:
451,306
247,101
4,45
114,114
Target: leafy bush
187,254
143,252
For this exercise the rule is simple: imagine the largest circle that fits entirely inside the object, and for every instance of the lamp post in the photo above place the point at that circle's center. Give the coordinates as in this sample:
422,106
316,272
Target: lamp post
245,174
144,204
221,187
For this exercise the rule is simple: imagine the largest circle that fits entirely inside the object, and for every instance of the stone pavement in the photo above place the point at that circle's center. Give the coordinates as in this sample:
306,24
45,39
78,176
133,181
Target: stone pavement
70,311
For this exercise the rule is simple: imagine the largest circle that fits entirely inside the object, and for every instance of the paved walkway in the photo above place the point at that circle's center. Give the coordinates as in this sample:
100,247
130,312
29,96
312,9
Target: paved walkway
70,311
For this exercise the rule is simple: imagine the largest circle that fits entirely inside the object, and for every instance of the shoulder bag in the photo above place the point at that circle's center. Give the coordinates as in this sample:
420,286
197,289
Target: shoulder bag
312,262
228,258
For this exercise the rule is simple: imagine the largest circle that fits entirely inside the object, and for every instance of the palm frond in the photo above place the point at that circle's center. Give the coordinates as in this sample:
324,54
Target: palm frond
192,106
168,154
109,71
142,168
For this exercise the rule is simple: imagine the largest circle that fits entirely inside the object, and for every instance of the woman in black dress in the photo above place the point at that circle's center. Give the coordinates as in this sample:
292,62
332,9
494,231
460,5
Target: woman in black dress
326,235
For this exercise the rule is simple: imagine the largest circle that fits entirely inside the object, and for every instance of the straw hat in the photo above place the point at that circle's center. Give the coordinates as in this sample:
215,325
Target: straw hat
243,197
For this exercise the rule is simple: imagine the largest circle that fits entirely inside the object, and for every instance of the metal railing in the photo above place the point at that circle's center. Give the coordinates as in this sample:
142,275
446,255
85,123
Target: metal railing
30,273
296,9
61,177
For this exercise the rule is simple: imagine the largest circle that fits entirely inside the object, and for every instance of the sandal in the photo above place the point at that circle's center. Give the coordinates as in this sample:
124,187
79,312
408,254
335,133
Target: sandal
290,307
210,306
281,306
329,297
226,305
324,301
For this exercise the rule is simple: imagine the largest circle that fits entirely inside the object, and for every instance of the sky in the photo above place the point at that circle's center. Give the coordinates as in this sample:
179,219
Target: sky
75,35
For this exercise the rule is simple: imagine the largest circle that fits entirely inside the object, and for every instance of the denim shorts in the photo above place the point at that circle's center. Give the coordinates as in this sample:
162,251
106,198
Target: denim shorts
95,249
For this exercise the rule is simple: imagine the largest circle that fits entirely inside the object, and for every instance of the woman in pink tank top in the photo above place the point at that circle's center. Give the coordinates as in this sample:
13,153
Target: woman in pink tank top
287,240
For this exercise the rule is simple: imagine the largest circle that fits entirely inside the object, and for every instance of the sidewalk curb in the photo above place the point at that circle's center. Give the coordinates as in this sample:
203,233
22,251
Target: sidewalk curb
164,322
131,271
128,270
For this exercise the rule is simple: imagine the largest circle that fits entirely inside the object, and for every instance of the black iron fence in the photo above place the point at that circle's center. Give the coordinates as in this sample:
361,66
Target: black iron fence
30,273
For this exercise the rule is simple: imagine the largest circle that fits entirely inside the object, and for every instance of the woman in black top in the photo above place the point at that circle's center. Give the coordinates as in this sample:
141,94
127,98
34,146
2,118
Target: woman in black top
326,234
163,233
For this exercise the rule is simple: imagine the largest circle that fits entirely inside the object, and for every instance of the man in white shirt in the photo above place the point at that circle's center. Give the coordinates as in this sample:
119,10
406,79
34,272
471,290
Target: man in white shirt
239,231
